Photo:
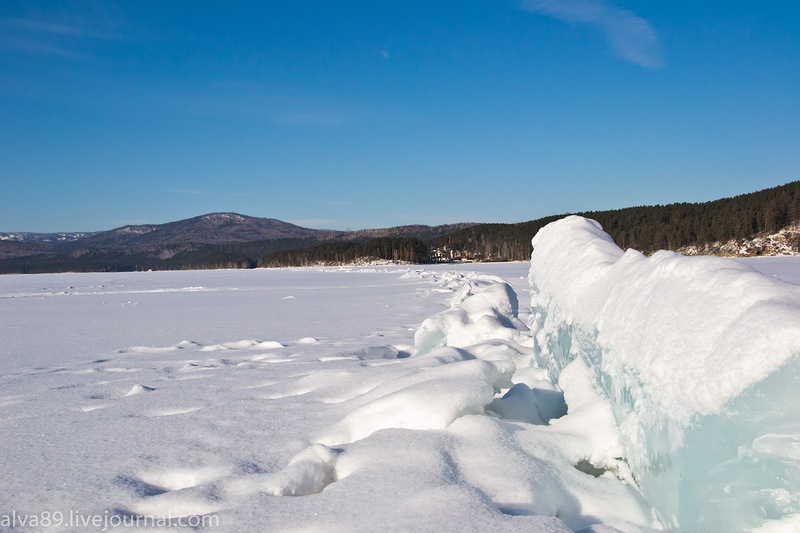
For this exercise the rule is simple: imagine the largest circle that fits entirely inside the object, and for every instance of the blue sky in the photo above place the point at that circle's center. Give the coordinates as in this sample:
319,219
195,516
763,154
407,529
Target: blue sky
356,114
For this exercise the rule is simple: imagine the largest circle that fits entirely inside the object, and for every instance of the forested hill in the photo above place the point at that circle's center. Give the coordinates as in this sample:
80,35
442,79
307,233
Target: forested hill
645,228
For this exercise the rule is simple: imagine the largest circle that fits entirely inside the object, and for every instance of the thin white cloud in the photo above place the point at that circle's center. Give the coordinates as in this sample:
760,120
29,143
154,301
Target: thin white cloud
631,37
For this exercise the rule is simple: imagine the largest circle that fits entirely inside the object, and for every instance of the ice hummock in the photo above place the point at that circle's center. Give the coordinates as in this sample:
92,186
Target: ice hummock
699,359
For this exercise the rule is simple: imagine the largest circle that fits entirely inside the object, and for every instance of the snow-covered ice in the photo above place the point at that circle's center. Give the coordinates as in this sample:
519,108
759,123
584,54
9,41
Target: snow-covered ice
698,359
339,399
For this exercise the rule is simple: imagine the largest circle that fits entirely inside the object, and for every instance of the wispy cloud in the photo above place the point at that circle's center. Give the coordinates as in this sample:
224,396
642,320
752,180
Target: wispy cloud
251,102
39,47
631,37
338,202
69,39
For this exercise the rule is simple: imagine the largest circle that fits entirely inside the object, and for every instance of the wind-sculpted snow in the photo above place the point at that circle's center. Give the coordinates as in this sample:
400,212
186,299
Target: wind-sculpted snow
699,361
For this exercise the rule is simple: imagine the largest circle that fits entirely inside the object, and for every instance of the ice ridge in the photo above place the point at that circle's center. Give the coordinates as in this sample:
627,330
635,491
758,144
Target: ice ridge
698,357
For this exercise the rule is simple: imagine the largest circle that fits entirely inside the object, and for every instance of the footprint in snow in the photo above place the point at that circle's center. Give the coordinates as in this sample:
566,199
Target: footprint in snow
174,492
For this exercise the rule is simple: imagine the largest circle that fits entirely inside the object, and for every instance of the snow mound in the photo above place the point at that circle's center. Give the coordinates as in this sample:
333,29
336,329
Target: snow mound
267,345
431,399
699,360
139,389
308,473
535,405
484,308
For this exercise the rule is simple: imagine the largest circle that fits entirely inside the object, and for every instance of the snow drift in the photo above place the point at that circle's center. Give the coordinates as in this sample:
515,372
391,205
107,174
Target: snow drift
699,360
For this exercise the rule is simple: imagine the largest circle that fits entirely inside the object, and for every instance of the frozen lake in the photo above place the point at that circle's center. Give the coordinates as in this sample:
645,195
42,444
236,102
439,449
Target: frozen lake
199,394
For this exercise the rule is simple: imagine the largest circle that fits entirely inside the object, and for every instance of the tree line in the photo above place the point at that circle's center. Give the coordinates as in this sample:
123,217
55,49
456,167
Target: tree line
645,228
408,249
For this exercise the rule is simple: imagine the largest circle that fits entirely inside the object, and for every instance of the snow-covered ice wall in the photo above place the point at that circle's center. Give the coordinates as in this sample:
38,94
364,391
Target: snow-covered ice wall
699,358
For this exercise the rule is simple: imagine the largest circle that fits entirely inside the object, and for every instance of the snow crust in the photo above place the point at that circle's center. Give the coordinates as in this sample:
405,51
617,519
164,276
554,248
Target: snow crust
698,359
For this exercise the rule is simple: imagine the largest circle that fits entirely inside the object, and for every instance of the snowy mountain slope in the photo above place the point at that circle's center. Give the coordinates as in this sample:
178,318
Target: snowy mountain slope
213,228
44,237
228,228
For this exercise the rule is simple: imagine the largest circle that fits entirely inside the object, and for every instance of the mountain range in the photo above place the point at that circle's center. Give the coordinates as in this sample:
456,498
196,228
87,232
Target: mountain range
217,228
232,240
215,240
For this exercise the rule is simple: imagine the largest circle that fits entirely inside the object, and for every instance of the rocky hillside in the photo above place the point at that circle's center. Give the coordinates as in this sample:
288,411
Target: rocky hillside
784,242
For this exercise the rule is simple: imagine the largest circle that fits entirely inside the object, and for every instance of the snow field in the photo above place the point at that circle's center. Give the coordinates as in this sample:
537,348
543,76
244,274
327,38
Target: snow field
415,409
